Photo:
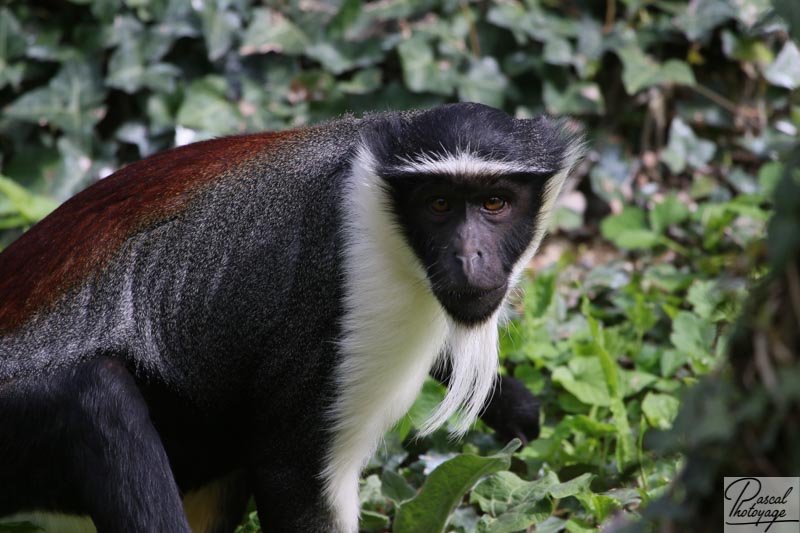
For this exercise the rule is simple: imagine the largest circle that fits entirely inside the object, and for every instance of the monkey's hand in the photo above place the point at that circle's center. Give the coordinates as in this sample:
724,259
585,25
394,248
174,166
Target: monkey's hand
512,411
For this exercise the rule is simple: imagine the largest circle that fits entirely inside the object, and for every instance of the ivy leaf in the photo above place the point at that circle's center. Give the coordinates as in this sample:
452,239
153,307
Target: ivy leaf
421,72
785,71
73,100
685,149
578,98
207,108
484,83
702,16
270,31
640,71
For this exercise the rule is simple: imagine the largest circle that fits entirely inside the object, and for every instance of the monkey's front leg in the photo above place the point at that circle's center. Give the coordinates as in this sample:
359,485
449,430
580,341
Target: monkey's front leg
289,488
83,443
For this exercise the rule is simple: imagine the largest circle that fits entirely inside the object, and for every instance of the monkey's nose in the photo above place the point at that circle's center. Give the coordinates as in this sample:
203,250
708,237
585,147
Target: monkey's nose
470,262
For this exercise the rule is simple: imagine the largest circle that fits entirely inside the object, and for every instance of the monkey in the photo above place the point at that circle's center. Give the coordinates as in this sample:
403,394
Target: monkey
249,315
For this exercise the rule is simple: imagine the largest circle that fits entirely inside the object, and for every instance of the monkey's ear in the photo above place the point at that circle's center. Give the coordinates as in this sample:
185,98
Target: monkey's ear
513,412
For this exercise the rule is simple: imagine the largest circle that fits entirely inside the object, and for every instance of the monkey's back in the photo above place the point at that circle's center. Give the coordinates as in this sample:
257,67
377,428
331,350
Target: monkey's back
191,254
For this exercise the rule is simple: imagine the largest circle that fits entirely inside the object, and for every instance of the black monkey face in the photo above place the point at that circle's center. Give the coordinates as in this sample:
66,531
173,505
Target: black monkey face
468,234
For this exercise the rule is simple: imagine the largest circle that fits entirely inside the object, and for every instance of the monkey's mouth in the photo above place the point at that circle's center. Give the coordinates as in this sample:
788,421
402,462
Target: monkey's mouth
471,305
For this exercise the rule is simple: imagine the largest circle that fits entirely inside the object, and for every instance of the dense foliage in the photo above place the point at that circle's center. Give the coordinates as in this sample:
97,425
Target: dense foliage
690,110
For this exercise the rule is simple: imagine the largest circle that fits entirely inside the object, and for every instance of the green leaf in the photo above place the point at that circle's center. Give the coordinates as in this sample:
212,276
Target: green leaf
220,27
558,51
578,98
538,295
584,379
629,230
484,83
671,360
631,218
363,82
668,212
660,409
590,426
395,487
372,521
420,70
270,31
349,12
445,487
207,108
73,100
571,487
685,149
785,71
694,336
31,207
515,503
640,71
702,16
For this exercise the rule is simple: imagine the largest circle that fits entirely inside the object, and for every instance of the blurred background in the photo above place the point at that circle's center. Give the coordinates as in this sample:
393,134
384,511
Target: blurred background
660,323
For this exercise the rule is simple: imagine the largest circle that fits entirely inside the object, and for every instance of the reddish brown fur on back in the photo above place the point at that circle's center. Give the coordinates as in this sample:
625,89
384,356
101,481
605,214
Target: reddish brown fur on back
83,234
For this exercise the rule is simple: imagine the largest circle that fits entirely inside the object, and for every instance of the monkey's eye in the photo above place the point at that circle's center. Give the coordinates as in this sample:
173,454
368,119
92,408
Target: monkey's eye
493,204
439,205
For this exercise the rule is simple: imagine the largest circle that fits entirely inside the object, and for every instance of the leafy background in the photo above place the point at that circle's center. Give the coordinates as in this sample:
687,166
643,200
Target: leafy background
624,330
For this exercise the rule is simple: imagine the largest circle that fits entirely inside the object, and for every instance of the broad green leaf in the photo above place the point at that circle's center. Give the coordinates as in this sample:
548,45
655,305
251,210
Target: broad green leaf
588,425
785,71
640,71
363,82
669,211
629,230
685,149
395,487
671,361
73,100
515,503
558,51
578,98
660,409
599,505
445,487
588,385
421,71
694,336
702,16
571,487
372,521
484,82
220,27
270,31
746,48
206,107
637,239
631,218
349,12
